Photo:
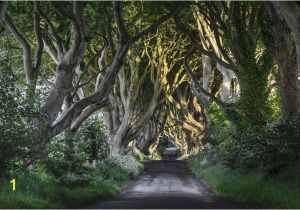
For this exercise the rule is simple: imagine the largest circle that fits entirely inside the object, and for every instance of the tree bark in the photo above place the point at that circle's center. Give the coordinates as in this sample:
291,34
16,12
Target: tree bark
290,93
207,69
291,13
3,5
227,78
68,63
101,95
31,68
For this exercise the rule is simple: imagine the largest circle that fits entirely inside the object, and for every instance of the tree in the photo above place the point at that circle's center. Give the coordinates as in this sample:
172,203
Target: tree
242,42
283,49
291,13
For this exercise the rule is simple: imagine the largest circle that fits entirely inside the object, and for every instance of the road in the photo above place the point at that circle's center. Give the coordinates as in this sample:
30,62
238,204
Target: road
168,184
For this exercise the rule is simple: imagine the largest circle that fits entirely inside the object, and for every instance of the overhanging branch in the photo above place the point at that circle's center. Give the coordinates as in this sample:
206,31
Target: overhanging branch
194,81
211,54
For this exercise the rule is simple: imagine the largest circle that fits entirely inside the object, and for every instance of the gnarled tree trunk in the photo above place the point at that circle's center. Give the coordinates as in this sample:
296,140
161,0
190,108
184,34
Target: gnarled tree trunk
290,93
291,13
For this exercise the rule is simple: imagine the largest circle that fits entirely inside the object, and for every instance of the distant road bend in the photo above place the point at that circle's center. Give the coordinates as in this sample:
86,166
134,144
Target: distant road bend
168,184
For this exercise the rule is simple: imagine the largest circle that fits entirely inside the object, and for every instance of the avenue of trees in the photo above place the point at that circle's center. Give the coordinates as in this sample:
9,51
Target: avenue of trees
84,81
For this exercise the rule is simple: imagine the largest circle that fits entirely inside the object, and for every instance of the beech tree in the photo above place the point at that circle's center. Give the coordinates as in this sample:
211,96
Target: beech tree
153,72
290,12
68,56
287,65
241,33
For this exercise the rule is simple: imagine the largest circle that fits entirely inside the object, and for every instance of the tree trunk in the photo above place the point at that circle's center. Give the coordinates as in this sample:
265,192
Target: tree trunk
116,145
290,93
3,5
253,99
291,13
207,69
227,78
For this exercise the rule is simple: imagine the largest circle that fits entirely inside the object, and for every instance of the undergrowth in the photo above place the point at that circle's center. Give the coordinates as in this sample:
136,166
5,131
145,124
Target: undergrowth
41,189
276,191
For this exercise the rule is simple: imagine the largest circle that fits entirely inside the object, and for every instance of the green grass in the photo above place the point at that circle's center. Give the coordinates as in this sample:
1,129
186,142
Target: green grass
82,195
280,191
42,191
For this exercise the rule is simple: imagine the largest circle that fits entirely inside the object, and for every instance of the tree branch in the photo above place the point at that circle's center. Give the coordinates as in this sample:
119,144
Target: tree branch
76,19
212,54
50,50
100,96
153,26
123,33
3,5
85,114
194,80
26,48
77,86
40,44
58,41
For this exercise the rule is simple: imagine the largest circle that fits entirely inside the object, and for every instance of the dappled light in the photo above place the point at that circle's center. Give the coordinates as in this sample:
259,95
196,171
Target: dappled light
112,104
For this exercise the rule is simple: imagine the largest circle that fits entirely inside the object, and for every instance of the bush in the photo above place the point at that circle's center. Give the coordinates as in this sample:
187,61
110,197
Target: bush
16,131
126,162
119,168
209,156
70,151
72,180
272,148
92,139
269,148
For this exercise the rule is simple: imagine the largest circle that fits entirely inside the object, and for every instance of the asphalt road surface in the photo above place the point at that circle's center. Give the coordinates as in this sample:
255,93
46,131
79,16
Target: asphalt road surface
168,184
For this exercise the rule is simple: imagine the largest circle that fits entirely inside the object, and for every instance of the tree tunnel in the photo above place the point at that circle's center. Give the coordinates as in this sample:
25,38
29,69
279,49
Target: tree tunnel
158,82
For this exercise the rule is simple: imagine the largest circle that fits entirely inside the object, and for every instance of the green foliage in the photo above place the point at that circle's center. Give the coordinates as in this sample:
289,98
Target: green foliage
271,149
40,190
69,151
92,139
254,62
69,180
222,128
72,180
82,196
280,191
210,156
138,155
16,121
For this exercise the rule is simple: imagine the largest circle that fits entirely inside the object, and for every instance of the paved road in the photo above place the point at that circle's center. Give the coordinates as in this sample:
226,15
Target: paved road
168,184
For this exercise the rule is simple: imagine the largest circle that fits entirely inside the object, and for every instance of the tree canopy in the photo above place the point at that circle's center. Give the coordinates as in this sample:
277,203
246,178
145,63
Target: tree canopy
151,71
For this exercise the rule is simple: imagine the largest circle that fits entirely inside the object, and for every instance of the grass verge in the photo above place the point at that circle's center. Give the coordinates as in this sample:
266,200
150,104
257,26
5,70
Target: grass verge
280,191
39,192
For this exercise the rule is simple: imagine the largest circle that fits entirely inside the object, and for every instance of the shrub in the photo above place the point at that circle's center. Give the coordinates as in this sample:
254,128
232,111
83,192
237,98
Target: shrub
272,148
269,148
69,152
118,168
72,180
92,139
15,130
209,156
126,162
